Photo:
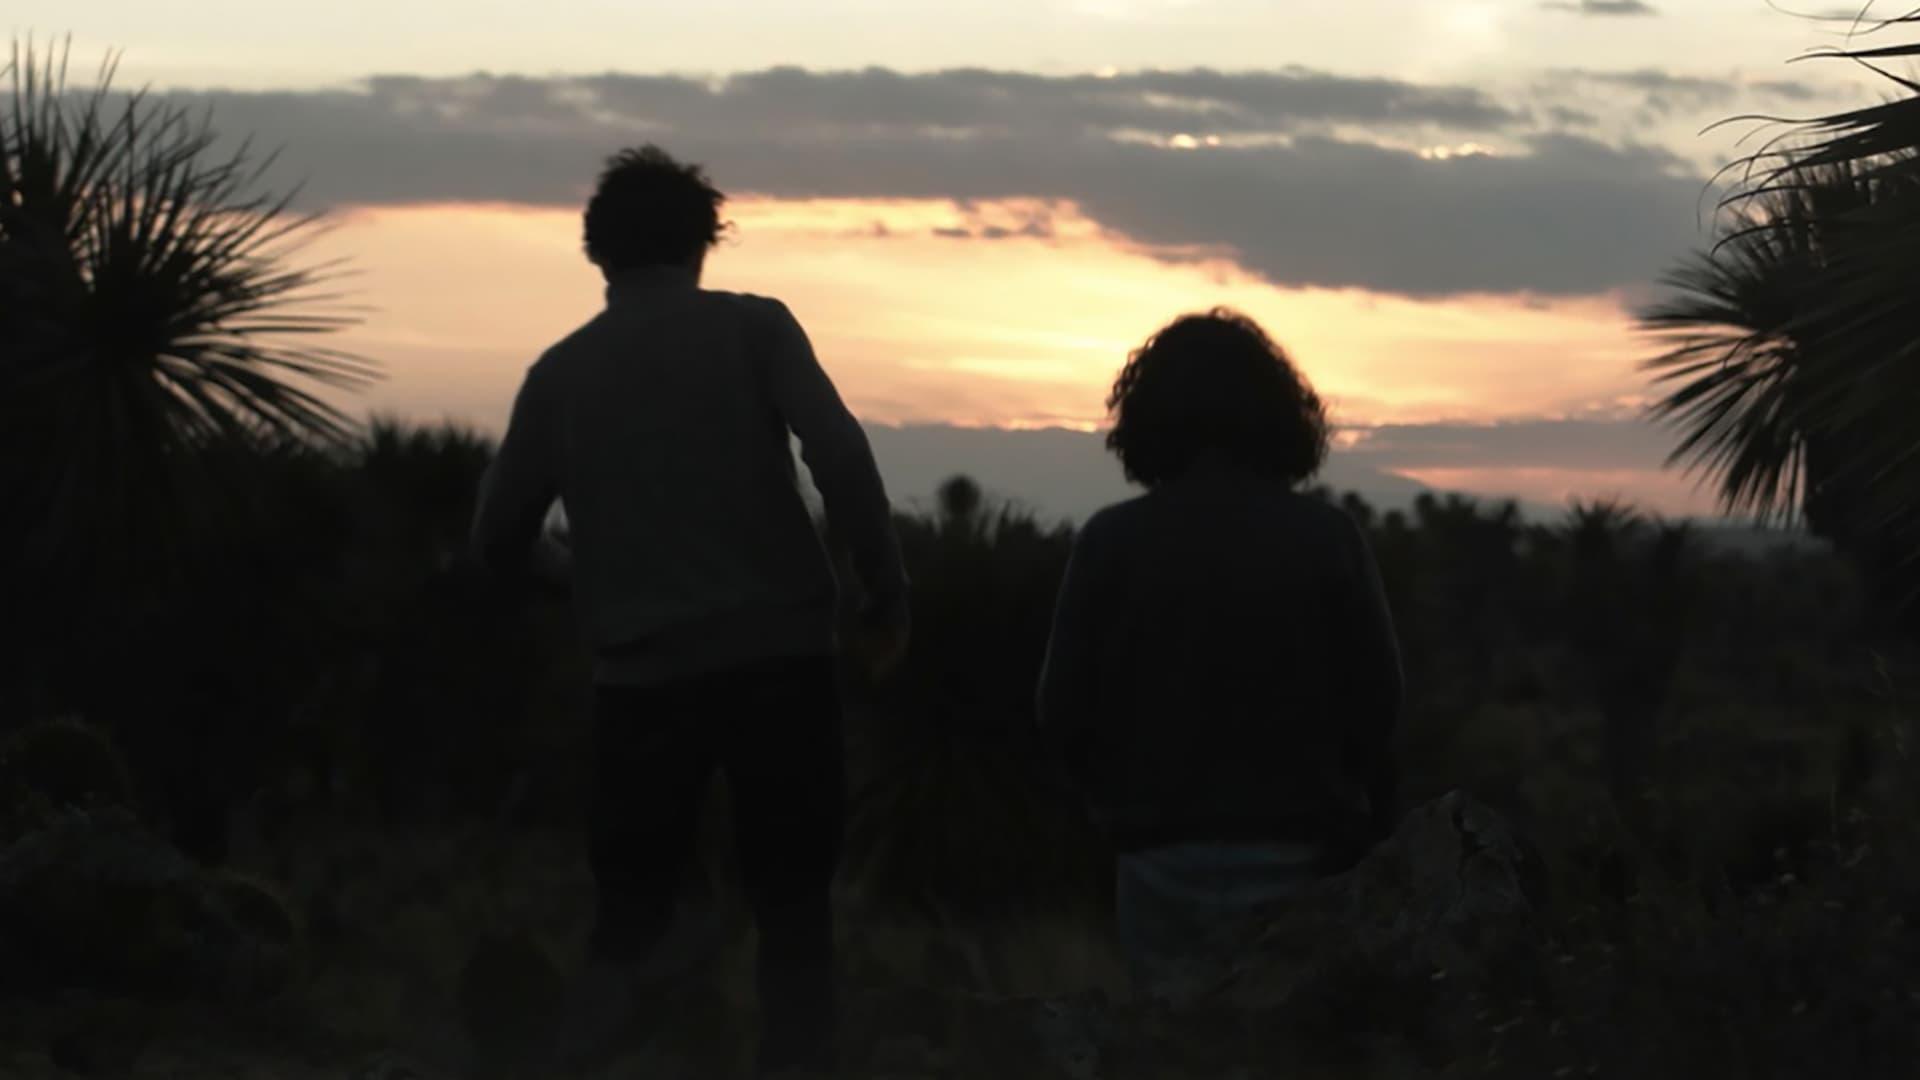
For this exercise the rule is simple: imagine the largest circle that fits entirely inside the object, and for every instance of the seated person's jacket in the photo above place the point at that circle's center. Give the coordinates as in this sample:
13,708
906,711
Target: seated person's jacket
1223,668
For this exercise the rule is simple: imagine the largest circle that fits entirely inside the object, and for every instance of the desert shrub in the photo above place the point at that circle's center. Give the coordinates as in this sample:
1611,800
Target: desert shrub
1761,863
93,899
57,764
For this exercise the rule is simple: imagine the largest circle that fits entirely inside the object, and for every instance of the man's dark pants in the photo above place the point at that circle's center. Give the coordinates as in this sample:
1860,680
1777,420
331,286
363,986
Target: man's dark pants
774,728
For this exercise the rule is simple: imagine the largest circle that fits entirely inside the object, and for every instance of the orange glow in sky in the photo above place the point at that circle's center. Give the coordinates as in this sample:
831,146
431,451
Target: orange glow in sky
917,326
1023,330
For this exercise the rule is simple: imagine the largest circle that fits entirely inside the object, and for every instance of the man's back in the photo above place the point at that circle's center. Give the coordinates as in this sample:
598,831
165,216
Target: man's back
663,426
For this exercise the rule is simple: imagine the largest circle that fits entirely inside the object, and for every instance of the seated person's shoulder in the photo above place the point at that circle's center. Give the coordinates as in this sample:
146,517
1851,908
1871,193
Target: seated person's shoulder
1304,522
1335,530
1116,519
1315,509
558,356
1325,515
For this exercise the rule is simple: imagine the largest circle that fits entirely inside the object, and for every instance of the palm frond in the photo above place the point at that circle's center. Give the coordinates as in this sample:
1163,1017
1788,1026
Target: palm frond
1794,346
1741,376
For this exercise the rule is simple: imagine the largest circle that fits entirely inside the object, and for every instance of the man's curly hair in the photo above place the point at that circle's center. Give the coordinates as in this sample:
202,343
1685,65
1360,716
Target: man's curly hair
650,210
1215,381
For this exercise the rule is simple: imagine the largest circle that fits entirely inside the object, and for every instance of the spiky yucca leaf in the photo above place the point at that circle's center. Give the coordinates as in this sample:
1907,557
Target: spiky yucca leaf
150,305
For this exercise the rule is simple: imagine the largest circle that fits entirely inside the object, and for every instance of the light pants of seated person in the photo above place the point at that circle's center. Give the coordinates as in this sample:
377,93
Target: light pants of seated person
1169,899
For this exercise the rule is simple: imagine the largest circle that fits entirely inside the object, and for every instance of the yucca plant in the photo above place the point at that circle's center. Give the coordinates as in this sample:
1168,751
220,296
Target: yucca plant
420,482
151,307
1625,602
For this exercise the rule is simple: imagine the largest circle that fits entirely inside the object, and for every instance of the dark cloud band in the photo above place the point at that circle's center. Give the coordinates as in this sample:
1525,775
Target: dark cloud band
1602,7
1303,178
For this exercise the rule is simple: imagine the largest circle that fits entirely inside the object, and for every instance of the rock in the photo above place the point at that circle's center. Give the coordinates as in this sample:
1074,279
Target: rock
1404,953
266,954
1444,899
1387,963
1071,1033
93,899
55,764
1055,1039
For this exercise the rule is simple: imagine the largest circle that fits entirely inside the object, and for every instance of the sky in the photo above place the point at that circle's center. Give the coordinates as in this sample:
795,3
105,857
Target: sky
1446,210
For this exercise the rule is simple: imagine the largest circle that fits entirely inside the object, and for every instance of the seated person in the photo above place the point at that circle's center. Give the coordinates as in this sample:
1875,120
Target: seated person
1222,680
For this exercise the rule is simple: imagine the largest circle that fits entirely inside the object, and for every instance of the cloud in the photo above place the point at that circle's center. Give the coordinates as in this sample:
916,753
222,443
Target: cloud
1859,14
1032,230
1566,116
1602,7
1300,178
1612,444
1787,89
791,102
1667,93
1002,223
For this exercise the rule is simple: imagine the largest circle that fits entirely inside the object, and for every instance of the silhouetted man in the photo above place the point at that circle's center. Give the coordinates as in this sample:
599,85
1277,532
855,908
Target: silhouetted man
663,426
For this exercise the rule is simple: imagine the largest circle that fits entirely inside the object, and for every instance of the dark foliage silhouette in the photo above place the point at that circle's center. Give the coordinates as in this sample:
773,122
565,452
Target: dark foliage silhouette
1777,786
155,320
1797,336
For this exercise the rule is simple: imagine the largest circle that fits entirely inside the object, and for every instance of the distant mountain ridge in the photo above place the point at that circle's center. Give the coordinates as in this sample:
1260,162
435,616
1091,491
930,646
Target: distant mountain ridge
1057,473
1060,474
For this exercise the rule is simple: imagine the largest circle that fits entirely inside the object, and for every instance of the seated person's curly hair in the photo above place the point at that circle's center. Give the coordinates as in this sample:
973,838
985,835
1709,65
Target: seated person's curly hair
650,210
1215,382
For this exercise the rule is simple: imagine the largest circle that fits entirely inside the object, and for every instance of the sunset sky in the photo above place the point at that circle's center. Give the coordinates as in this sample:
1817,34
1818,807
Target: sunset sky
1447,211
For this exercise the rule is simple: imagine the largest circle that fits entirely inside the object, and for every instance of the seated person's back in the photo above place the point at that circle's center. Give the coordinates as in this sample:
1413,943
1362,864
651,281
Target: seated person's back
1222,679
1242,694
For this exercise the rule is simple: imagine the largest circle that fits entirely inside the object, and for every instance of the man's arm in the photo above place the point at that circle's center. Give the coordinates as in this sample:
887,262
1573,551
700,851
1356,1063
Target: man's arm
519,487
1069,677
840,461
